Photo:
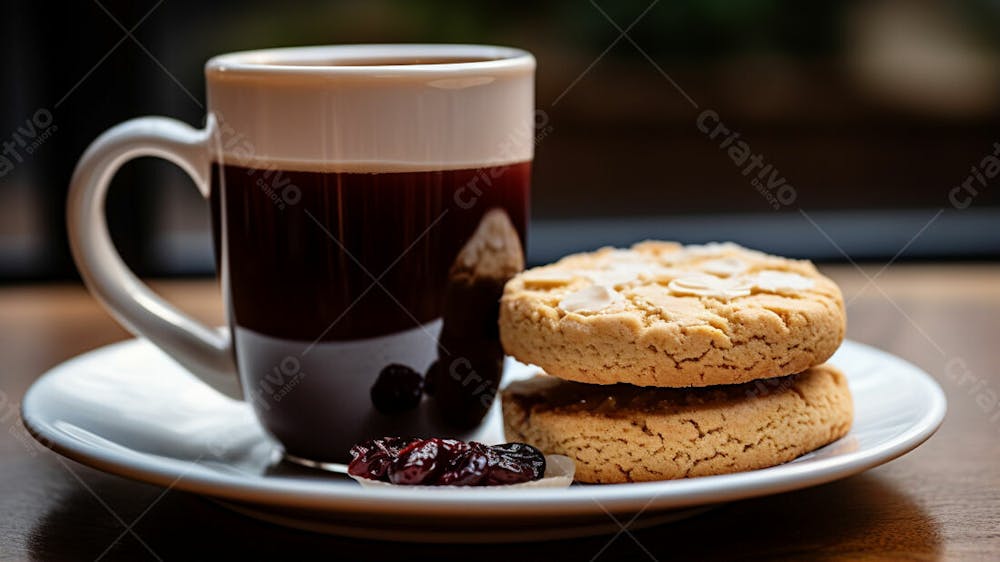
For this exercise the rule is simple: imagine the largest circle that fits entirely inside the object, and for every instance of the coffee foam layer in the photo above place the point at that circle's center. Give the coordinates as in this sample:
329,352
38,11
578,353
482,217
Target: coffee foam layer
326,167
374,119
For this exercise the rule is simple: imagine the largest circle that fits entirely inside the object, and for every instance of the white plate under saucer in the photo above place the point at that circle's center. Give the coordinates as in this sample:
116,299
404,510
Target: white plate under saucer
130,410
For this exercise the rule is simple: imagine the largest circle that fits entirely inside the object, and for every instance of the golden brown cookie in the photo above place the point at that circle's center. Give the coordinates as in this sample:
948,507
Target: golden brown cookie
624,433
662,314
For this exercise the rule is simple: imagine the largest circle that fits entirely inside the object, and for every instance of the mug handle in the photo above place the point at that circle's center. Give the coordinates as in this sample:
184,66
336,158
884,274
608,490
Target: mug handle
204,351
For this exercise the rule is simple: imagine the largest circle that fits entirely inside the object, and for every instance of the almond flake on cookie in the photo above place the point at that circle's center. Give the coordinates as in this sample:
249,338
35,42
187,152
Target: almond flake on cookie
595,298
780,282
724,267
618,274
682,310
549,278
659,274
702,285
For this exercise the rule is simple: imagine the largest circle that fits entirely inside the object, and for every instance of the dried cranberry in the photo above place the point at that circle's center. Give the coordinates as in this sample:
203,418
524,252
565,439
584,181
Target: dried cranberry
371,458
525,454
398,388
467,468
421,461
513,463
409,461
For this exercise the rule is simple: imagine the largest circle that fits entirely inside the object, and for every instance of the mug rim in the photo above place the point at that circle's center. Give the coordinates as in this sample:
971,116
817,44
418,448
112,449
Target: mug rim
307,61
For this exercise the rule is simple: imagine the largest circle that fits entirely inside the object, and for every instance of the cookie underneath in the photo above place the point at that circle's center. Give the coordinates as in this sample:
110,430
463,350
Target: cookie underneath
623,433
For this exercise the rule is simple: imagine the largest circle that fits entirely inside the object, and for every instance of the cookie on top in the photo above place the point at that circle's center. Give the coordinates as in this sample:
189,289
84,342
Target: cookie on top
666,315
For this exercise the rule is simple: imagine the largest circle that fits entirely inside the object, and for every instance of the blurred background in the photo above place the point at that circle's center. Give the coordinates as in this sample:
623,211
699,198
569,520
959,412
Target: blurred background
881,117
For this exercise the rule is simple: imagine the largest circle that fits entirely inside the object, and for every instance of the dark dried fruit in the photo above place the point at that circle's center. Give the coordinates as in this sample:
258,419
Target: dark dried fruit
467,468
515,462
371,458
398,388
421,461
445,462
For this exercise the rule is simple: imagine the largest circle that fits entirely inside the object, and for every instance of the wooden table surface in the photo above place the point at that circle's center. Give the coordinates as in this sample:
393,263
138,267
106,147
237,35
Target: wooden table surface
940,502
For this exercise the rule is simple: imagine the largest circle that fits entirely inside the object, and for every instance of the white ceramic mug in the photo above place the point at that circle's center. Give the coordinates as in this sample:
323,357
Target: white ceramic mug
344,182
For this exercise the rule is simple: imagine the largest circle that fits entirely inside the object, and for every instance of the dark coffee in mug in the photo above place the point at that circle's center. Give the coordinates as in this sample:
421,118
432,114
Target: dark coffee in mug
369,202
310,243
336,275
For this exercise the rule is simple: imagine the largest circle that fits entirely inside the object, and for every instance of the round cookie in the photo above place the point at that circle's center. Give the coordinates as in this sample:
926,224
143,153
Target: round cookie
662,314
623,433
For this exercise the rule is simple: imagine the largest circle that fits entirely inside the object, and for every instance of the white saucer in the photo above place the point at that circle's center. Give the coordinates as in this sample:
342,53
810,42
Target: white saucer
130,410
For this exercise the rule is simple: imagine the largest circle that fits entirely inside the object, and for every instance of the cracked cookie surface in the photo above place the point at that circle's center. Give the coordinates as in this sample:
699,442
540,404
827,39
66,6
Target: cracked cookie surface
662,314
623,433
